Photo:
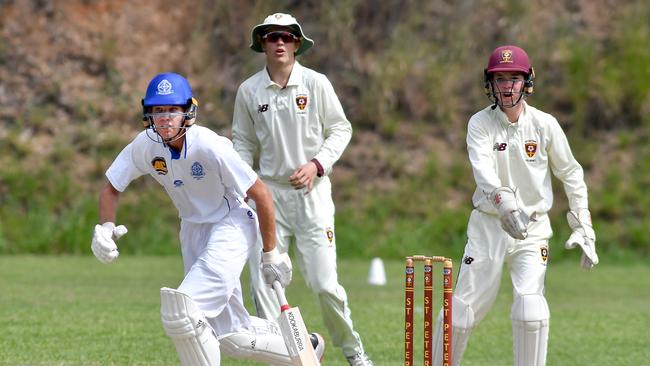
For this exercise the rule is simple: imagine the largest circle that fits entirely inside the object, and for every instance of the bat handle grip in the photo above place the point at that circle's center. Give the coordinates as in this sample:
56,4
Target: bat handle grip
279,291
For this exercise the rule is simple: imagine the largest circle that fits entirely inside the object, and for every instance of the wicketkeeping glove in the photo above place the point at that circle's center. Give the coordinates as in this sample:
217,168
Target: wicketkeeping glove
276,267
583,235
513,219
103,244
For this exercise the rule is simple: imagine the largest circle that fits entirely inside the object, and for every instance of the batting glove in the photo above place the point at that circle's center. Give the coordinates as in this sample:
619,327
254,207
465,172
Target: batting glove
103,243
276,267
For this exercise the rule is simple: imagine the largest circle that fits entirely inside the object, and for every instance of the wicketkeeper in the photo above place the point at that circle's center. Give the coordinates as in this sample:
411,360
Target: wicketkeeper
207,182
513,149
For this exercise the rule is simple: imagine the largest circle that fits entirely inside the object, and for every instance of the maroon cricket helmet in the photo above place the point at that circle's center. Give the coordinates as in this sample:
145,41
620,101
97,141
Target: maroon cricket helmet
508,58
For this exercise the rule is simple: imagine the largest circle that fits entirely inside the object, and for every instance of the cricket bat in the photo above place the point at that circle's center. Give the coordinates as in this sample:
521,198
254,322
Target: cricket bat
294,332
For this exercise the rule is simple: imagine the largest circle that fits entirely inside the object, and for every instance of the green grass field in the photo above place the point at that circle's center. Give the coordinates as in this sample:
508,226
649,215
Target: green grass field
76,311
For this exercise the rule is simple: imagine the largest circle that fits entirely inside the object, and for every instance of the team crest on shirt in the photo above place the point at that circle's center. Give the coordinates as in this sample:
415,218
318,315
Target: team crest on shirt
531,148
330,234
301,101
160,165
544,252
197,171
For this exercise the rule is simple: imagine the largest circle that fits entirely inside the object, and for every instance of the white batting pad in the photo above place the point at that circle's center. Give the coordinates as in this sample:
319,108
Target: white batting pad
264,326
530,323
267,348
185,324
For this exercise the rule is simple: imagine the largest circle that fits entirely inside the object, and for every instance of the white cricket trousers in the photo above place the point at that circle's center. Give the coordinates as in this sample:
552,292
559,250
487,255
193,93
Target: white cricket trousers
214,255
488,248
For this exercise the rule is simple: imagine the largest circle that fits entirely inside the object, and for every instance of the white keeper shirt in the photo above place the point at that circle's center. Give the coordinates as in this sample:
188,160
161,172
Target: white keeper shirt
205,180
519,155
287,127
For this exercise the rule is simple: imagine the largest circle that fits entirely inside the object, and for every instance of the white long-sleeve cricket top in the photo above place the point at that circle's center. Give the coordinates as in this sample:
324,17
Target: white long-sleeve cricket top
519,155
287,127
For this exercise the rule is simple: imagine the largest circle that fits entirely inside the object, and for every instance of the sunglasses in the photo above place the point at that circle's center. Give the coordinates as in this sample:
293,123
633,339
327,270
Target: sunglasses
286,37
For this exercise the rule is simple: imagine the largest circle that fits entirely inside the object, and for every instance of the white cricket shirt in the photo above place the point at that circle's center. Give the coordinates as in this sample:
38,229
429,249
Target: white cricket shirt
204,181
519,155
287,127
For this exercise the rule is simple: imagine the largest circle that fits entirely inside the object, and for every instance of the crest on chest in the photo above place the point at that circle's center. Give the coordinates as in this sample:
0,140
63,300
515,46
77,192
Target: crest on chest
530,147
159,165
301,101
197,171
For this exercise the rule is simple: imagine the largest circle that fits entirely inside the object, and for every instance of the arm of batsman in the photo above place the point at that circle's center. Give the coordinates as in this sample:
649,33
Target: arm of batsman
583,235
513,219
103,243
276,267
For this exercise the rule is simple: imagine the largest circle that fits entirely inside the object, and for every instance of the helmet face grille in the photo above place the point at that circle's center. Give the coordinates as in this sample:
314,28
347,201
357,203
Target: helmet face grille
508,58
492,92
169,89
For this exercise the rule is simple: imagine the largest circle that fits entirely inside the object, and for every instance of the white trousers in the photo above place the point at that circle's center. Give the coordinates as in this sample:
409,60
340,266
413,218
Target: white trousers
214,255
307,220
488,248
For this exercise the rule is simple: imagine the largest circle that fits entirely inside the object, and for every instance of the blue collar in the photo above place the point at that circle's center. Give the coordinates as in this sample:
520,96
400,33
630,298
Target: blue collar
176,155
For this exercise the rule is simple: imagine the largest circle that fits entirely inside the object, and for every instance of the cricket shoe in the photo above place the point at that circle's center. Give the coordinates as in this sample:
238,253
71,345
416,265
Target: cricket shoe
318,343
360,359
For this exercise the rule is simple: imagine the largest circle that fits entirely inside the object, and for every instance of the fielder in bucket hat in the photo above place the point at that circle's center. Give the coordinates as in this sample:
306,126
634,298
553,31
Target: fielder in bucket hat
278,20
288,122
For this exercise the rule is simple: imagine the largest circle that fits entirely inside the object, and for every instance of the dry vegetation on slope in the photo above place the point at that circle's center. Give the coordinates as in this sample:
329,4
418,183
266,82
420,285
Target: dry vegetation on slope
407,72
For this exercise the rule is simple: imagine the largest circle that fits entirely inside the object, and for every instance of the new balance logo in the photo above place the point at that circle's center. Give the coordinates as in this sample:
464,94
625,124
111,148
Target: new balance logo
262,108
500,146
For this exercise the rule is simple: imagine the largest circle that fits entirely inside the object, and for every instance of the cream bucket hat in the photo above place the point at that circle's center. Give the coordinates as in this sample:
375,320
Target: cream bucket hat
281,20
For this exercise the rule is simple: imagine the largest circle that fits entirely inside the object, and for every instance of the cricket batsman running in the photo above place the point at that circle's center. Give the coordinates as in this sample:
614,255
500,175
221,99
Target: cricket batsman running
513,149
207,182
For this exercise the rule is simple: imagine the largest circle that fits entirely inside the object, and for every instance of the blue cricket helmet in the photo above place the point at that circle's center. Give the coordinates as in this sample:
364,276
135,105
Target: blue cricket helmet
168,89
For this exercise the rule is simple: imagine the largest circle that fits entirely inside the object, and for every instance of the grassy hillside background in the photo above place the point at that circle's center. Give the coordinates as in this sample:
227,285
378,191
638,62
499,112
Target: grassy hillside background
409,75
